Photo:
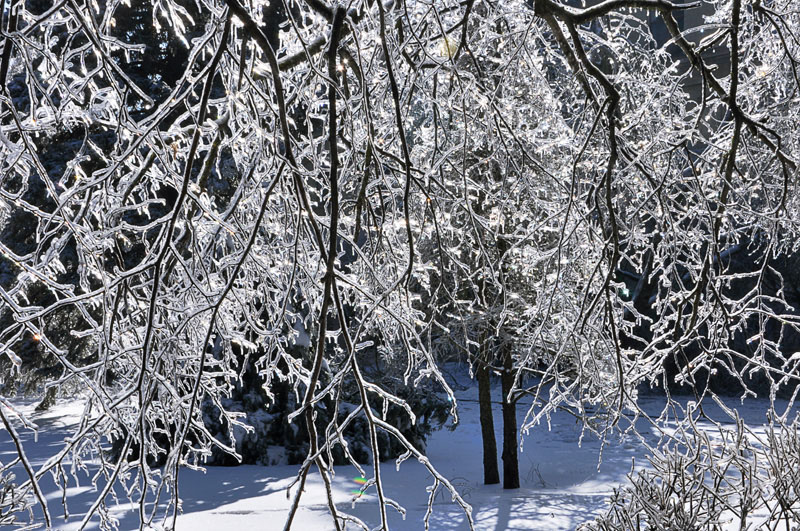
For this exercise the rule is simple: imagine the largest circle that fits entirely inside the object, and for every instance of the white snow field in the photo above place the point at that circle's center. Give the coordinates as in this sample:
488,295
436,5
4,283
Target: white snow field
562,485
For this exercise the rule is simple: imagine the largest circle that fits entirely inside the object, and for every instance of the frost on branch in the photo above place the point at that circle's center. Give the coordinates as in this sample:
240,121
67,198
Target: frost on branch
299,195
722,479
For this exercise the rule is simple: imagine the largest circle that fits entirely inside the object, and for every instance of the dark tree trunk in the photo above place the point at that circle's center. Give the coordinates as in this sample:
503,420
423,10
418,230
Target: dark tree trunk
510,460
491,474
48,400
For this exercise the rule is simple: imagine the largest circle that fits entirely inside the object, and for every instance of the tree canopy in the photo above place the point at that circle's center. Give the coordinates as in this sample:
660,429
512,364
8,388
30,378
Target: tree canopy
607,191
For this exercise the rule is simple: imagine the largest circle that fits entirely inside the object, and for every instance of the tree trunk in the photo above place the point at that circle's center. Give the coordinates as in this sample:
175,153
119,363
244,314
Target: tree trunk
491,475
510,460
48,400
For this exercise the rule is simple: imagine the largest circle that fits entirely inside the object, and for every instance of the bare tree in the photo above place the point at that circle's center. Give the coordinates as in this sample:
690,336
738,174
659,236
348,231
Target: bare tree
397,170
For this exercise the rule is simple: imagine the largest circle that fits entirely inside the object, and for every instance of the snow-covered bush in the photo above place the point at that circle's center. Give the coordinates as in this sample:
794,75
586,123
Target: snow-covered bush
13,502
731,479
268,437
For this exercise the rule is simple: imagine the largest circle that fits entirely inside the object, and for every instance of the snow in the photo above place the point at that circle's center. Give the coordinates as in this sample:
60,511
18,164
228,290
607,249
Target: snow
563,483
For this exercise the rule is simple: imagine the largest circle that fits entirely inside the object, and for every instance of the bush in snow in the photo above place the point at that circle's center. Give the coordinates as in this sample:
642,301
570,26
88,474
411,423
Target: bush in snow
13,501
267,436
733,480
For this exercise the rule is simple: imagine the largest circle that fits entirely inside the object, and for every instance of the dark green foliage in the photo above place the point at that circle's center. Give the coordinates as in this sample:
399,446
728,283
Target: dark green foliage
276,440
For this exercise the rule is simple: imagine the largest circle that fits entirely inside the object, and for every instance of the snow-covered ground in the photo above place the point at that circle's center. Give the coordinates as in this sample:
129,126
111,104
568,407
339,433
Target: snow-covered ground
562,484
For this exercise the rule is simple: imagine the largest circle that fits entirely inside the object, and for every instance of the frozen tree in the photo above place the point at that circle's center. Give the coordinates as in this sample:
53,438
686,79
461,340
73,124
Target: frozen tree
670,180
397,172
496,216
